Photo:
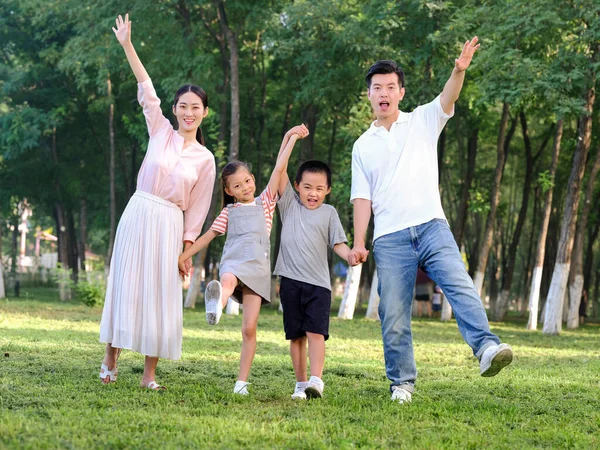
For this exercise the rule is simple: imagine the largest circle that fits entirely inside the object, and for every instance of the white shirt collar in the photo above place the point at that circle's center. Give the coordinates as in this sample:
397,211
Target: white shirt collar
402,117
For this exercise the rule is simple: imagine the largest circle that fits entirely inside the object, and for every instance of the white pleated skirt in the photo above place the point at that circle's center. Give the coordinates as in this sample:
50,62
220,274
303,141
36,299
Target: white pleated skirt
143,308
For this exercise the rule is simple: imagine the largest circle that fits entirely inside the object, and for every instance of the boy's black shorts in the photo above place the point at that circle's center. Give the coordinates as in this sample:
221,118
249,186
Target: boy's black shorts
305,308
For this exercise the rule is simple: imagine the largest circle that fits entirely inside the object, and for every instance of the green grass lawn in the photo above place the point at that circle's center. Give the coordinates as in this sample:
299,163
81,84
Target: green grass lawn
51,396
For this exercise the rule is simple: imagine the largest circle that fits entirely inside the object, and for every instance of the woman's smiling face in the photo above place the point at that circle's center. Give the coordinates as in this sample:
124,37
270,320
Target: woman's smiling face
189,112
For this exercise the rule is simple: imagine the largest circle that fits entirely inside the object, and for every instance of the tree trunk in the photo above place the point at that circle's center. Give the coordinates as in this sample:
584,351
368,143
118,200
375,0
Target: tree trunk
589,257
81,243
461,216
596,301
446,309
2,289
134,148
61,234
576,278
526,278
553,319
125,170
495,199
111,173
441,154
332,141
309,117
230,36
64,291
504,300
72,246
372,308
14,257
350,293
495,270
472,246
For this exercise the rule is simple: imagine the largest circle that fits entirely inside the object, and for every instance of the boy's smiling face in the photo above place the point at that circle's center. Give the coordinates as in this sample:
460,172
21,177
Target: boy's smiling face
312,189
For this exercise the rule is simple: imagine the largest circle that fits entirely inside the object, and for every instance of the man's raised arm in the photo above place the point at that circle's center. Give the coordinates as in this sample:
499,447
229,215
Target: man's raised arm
455,82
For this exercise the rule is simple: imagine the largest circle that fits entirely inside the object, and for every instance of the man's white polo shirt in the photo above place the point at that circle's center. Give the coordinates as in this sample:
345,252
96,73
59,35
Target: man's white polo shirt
398,170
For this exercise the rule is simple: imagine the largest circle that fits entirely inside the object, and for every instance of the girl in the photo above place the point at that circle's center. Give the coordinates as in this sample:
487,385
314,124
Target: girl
245,270
143,306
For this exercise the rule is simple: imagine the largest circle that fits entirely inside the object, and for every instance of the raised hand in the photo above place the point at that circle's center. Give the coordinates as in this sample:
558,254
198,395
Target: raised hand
300,130
123,30
469,49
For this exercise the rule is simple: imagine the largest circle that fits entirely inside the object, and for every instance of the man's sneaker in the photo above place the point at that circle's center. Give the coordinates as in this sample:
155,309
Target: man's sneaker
212,301
299,393
314,388
401,395
241,387
494,359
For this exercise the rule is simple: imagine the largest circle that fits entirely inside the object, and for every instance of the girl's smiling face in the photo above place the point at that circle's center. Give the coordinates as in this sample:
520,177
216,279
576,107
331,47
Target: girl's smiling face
240,185
189,112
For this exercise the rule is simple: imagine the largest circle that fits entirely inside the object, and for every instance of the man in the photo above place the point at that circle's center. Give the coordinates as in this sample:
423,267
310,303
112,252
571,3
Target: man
395,175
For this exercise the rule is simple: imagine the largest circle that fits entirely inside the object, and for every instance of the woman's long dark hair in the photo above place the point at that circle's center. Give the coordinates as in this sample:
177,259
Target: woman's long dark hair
228,170
200,93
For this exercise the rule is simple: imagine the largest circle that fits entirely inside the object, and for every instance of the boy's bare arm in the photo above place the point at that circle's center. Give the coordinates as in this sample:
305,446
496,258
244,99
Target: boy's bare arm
343,251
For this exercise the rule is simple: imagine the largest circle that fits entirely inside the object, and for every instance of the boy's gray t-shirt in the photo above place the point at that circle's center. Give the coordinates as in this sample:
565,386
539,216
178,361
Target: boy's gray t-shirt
305,236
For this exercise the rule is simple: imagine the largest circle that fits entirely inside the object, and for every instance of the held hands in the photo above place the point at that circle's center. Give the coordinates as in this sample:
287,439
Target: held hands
123,30
358,255
184,266
300,130
469,49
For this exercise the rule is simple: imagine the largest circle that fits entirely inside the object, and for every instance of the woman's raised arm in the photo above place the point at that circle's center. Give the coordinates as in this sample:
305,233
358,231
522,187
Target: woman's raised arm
123,34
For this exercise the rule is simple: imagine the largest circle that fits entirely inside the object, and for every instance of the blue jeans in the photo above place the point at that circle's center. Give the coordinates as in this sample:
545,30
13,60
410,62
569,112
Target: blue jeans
398,255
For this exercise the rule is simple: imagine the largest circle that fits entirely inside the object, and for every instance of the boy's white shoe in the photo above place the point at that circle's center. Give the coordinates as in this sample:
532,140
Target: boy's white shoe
241,387
314,388
401,395
212,302
494,359
299,393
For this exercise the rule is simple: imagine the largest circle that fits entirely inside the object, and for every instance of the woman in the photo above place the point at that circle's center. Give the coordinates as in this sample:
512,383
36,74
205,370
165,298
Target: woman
144,306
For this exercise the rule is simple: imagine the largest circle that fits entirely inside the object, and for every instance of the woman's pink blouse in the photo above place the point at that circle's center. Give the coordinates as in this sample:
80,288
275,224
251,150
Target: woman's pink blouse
184,177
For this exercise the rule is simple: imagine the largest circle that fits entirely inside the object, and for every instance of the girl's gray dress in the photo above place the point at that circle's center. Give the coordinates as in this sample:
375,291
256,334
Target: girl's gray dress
246,250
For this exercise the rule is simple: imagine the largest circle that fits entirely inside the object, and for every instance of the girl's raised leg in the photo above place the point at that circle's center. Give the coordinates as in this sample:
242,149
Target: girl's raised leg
228,283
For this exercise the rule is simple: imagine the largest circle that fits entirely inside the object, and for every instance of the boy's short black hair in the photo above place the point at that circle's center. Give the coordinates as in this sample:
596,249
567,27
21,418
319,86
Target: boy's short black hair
314,166
385,66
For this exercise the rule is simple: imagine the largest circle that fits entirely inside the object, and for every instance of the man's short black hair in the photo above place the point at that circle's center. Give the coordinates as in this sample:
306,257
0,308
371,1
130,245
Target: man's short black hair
314,166
385,66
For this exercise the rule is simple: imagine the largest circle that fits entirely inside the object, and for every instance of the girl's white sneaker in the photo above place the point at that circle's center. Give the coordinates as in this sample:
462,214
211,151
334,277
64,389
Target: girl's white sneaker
299,393
212,302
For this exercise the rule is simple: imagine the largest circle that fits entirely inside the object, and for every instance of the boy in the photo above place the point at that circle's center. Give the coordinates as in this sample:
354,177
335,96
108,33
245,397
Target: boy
309,228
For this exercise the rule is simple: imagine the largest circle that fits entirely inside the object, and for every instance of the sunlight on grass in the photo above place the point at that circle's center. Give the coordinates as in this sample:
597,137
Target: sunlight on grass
50,395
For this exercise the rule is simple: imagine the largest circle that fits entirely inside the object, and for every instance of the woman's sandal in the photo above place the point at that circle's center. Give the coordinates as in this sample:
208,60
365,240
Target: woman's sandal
154,386
104,372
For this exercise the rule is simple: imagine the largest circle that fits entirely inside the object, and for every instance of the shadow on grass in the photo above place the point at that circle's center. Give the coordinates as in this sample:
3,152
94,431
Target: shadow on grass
43,303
